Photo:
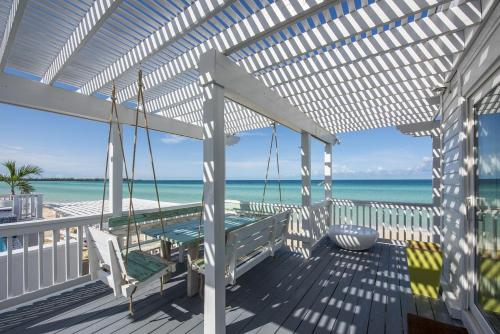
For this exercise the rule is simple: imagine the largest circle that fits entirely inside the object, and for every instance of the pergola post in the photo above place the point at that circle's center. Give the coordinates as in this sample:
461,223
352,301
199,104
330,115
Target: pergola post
213,210
432,129
305,153
437,187
115,172
328,170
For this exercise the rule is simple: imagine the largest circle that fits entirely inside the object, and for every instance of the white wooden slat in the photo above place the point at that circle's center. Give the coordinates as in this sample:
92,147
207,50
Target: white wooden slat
385,41
55,239
41,239
257,24
90,23
13,21
431,53
79,251
25,263
9,267
342,28
67,240
194,15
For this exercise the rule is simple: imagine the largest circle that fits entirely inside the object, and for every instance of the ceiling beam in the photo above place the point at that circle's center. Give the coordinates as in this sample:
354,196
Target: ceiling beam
15,15
421,129
36,95
88,26
196,14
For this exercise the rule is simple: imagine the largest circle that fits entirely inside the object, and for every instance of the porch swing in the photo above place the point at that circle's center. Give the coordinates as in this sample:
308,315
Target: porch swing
127,270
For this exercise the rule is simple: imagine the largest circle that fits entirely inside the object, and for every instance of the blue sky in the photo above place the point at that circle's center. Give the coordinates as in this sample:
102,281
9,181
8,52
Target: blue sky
70,147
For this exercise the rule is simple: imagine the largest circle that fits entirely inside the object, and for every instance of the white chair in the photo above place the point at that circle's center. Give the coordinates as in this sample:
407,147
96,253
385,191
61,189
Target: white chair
353,237
106,262
249,245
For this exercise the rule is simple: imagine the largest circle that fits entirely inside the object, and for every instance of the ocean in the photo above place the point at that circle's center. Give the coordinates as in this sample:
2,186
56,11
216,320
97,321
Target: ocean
414,191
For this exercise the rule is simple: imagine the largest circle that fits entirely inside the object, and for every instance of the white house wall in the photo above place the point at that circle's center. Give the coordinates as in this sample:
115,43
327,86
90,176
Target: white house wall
479,65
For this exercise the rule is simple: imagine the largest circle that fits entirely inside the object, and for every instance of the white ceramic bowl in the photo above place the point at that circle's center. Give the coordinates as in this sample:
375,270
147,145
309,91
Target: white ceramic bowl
353,237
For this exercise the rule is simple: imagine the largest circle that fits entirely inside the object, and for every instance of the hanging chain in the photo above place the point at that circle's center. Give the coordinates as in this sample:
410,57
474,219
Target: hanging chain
131,186
268,164
140,99
277,161
105,182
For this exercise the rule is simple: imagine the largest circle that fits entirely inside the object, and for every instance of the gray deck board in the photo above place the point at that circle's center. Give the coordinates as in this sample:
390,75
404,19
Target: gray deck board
334,291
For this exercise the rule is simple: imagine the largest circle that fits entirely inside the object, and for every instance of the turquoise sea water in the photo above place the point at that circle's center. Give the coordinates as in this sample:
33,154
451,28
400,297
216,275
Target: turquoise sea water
416,191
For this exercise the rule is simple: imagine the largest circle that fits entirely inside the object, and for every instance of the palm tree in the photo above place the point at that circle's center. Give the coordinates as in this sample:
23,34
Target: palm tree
17,177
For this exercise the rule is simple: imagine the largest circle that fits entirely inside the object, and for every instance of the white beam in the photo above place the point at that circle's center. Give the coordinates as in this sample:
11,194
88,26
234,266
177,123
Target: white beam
244,89
431,128
32,94
90,23
15,15
196,14
213,209
115,172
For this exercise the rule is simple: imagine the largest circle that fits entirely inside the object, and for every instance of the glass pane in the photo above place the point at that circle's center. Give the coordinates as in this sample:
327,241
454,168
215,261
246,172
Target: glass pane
487,291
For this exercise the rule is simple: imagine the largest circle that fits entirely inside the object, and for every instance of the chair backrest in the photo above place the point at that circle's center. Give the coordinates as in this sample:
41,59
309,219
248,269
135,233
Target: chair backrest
167,214
106,246
261,234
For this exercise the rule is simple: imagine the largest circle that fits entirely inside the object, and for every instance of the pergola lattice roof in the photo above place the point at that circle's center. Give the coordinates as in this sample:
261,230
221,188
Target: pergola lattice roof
349,65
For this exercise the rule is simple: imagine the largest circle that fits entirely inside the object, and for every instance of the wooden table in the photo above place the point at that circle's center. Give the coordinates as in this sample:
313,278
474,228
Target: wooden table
189,234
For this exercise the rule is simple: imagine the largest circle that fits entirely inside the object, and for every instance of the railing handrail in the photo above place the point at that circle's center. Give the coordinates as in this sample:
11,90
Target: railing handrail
382,204
41,225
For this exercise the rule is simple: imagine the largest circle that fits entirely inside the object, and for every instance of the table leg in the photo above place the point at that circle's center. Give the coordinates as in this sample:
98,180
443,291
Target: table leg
166,249
181,254
192,276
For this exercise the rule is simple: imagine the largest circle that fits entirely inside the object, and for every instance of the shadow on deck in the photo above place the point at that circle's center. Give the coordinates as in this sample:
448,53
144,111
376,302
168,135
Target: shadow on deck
335,291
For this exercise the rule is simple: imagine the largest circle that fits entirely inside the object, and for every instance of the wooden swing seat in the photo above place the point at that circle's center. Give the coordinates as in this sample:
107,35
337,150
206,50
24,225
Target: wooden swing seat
106,262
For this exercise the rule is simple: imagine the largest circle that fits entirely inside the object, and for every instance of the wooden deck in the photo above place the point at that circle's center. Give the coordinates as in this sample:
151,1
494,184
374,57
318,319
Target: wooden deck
335,291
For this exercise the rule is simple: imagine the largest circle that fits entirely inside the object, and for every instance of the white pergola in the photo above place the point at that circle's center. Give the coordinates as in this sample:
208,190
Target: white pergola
218,67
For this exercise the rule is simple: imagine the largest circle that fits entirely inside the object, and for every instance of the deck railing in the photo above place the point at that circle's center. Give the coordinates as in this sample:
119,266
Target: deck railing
393,220
25,206
44,256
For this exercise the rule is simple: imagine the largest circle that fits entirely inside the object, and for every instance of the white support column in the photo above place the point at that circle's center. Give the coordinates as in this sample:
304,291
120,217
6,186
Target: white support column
214,175
437,186
328,171
115,172
305,153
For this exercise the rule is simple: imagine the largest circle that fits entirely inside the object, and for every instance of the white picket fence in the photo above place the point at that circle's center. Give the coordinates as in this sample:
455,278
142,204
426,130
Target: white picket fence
25,206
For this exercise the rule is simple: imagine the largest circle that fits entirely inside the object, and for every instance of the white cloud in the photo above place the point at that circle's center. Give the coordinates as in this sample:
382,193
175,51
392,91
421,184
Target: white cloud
172,139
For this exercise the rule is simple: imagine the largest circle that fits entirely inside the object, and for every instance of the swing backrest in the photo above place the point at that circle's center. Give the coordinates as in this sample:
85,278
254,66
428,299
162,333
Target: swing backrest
167,214
106,247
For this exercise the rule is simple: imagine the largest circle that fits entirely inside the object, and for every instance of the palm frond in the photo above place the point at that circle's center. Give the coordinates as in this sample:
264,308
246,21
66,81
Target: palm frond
11,167
25,187
28,170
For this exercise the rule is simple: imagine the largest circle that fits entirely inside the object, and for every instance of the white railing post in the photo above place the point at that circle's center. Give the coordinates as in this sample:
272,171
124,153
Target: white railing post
39,206
213,210
437,187
16,206
115,172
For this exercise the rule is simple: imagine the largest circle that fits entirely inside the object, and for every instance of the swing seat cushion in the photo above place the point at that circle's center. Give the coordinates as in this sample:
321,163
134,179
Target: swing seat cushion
141,266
